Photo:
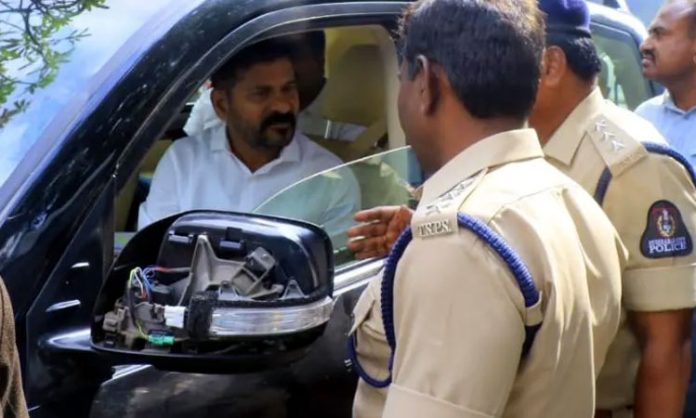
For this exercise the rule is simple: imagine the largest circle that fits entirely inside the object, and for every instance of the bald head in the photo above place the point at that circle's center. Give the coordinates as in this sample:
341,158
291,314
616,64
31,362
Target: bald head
683,8
669,51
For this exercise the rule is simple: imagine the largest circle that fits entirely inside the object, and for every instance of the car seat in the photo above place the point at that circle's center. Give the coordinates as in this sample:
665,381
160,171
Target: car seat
354,93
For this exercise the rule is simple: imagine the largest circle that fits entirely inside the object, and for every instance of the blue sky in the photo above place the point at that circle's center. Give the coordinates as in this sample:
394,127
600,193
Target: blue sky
108,31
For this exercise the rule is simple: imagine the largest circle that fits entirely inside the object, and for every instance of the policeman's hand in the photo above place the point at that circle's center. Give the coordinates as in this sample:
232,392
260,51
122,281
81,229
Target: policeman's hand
379,230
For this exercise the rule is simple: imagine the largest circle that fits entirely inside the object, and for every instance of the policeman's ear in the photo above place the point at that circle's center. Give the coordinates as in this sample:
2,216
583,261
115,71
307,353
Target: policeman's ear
553,67
220,98
427,80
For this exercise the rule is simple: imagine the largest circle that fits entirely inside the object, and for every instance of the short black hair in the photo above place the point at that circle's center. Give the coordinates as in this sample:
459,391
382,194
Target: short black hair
317,42
490,49
267,51
581,54
304,44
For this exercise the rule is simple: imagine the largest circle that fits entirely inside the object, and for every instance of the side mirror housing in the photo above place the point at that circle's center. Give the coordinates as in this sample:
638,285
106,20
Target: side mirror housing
216,292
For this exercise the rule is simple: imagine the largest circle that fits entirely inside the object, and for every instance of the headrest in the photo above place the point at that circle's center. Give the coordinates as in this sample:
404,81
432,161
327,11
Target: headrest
354,92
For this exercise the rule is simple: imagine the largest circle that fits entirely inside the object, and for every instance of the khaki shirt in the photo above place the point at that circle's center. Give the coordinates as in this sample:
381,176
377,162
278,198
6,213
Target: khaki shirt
12,402
460,315
651,201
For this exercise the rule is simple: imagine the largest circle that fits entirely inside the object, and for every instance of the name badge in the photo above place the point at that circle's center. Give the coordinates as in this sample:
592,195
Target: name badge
433,228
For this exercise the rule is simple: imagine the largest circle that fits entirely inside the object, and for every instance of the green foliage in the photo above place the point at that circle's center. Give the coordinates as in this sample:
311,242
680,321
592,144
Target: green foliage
34,42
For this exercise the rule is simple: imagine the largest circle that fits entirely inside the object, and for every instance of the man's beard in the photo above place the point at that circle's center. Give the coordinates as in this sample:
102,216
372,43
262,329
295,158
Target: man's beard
276,137
266,136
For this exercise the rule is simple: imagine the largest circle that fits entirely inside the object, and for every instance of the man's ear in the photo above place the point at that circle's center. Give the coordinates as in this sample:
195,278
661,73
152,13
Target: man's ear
553,66
219,98
427,83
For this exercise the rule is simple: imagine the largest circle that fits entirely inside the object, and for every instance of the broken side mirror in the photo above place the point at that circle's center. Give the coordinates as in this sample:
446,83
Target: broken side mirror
216,292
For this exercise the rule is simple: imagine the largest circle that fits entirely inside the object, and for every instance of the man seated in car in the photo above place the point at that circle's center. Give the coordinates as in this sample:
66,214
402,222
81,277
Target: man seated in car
256,153
308,57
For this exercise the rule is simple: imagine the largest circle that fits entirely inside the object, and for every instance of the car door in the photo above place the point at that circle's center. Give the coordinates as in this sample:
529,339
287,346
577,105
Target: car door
319,384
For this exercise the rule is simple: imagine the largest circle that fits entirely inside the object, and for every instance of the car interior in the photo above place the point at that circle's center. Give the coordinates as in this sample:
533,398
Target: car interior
361,89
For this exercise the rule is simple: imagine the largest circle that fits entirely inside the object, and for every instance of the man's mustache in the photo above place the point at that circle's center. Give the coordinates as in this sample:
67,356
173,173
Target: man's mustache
279,118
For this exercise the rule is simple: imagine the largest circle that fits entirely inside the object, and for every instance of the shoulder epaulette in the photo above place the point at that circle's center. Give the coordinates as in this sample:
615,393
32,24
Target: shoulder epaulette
618,146
440,216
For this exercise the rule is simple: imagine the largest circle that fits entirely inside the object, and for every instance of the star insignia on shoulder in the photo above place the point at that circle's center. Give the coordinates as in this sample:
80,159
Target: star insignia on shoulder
608,137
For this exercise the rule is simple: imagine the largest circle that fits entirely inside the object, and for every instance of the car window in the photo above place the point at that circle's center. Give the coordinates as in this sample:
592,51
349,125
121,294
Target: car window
388,178
621,78
89,41
348,117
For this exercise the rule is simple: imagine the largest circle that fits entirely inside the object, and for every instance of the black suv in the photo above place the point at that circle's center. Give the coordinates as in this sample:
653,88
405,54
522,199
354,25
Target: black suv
77,162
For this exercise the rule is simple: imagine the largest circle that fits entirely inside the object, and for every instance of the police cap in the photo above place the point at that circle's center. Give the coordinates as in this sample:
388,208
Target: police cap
566,17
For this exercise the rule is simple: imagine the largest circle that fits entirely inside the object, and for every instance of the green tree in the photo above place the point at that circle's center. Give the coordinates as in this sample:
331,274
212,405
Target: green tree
35,40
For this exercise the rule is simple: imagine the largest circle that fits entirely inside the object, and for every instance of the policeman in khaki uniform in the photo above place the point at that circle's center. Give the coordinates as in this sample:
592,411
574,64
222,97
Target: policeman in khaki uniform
506,299
648,193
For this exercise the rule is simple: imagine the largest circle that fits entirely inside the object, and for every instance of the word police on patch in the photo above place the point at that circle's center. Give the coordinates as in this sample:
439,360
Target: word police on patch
665,234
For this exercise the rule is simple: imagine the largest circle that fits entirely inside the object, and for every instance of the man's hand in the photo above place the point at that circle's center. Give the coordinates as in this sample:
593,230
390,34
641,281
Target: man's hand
663,376
380,228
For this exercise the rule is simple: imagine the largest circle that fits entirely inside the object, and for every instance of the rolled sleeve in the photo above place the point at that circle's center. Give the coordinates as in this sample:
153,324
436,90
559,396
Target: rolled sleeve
403,402
660,288
655,281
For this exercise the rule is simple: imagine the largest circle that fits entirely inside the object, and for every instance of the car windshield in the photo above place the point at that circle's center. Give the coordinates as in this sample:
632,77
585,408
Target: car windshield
46,68
389,178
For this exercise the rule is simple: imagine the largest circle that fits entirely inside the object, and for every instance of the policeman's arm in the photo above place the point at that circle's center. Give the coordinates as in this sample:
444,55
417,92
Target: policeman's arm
653,206
459,333
663,375
378,230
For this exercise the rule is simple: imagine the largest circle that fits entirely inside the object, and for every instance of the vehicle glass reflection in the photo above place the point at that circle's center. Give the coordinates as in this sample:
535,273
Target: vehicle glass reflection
388,178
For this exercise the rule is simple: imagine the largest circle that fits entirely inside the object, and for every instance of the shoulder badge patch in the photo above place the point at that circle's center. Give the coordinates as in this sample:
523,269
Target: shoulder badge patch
665,234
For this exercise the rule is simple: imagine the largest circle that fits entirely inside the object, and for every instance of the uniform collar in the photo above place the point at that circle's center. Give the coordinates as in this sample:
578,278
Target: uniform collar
506,147
566,140
217,139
